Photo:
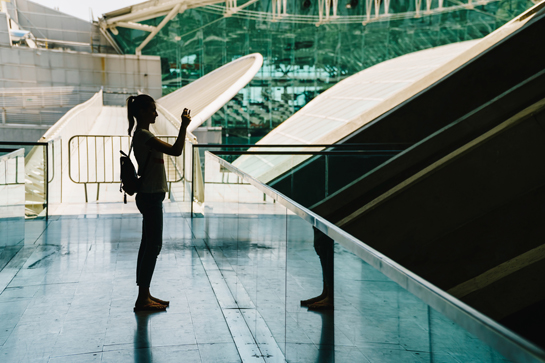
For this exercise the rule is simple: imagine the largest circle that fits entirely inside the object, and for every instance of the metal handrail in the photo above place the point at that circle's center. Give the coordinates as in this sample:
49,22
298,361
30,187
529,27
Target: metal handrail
495,335
106,168
282,146
341,153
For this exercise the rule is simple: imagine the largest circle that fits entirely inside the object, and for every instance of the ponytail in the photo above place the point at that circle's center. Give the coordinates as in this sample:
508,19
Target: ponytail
130,113
134,105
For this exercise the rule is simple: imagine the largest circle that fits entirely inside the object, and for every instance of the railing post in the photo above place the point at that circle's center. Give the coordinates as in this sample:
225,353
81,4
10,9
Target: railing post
60,177
326,181
193,149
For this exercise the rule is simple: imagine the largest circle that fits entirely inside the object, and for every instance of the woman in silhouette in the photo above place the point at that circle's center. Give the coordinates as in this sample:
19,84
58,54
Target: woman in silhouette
149,151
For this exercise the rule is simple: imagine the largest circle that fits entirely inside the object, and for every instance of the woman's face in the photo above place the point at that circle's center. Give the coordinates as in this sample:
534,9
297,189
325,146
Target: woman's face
149,113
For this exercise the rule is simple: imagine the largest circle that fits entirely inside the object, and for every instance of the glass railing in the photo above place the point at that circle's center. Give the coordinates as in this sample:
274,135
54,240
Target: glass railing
12,196
267,254
42,175
306,173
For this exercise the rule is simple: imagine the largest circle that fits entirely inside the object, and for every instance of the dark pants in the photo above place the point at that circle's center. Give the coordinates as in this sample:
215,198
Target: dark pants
323,245
151,207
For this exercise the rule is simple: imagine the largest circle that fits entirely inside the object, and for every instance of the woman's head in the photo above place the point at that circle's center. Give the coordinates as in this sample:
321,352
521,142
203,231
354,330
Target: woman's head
141,107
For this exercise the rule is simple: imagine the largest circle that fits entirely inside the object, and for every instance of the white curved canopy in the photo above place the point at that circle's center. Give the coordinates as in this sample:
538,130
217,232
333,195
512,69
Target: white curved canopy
352,103
208,94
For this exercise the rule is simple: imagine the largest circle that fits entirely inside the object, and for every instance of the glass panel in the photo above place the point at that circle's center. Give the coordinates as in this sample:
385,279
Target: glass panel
36,171
310,176
318,301
27,201
244,232
12,196
355,313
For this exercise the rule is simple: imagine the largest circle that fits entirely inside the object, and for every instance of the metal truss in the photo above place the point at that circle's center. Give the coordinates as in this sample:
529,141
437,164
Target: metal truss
130,17
375,10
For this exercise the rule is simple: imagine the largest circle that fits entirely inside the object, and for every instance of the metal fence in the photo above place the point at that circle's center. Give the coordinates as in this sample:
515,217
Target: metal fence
94,159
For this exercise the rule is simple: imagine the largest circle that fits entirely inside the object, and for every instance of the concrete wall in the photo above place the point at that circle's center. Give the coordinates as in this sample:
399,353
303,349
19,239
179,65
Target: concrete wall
20,133
5,39
120,75
26,67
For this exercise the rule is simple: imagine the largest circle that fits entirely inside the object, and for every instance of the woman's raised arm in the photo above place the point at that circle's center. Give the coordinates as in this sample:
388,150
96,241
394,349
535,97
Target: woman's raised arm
178,146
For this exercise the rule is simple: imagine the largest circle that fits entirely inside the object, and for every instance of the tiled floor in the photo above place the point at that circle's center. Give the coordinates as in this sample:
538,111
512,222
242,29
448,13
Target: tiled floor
234,282
68,297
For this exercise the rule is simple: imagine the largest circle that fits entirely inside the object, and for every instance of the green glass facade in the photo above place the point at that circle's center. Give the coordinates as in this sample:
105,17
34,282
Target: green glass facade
301,59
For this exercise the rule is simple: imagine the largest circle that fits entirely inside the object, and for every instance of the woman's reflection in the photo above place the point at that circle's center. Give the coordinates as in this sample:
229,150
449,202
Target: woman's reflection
142,346
324,248
326,348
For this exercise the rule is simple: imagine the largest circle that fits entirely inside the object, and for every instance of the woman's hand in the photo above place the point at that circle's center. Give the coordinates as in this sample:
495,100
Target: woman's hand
186,118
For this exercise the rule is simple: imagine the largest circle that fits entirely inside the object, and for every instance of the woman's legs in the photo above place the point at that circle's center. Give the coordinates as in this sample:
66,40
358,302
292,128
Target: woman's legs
151,207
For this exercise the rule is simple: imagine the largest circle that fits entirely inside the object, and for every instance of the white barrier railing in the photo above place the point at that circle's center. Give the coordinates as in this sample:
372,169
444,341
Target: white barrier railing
78,120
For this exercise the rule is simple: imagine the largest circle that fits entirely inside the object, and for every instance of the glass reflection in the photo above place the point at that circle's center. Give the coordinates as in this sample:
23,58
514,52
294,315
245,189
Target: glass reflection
323,245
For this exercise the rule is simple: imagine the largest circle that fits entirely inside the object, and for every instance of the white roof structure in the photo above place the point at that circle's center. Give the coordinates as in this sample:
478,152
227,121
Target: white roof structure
208,94
347,101
361,98
347,106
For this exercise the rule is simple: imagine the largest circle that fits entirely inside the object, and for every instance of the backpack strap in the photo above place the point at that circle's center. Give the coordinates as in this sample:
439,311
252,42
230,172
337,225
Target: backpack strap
147,159
145,164
138,173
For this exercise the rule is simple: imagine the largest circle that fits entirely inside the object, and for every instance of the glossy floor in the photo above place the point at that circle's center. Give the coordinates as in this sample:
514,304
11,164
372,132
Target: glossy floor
234,282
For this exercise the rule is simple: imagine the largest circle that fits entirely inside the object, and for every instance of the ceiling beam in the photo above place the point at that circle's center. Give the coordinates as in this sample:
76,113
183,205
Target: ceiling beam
137,26
137,15
158,28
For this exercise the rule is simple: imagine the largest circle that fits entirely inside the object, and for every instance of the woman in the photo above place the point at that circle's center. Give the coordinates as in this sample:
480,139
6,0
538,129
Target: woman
149,151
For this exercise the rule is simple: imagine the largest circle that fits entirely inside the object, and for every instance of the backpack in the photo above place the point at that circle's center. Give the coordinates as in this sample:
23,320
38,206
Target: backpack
130,181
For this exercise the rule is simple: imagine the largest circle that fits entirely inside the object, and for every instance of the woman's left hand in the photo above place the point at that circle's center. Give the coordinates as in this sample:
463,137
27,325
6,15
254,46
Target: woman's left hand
186,118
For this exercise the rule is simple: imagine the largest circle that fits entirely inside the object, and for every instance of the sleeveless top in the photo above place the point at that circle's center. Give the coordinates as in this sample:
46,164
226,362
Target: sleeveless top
154,178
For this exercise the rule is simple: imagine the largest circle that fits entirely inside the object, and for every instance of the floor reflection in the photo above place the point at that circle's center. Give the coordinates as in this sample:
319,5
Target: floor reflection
235,286
326,349
142,346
